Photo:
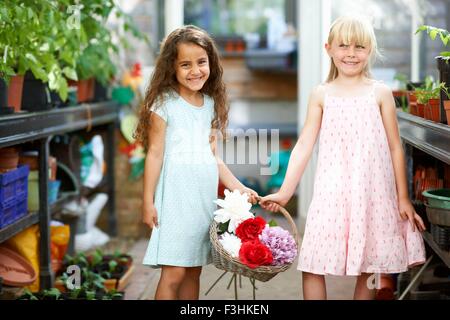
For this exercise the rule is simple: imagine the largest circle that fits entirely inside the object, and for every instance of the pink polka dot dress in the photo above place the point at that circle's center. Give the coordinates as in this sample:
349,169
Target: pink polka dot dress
353,224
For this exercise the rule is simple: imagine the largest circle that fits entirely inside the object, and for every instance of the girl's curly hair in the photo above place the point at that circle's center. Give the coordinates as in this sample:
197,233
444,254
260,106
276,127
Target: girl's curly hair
164,80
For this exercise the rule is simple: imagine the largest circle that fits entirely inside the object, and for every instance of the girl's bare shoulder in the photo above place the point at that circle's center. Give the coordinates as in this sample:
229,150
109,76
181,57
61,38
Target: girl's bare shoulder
383,93
318,94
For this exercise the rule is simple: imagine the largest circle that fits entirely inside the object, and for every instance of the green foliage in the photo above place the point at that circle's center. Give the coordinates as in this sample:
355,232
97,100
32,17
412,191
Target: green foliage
223,227
273,223
38,36
433,33
430,90
34,36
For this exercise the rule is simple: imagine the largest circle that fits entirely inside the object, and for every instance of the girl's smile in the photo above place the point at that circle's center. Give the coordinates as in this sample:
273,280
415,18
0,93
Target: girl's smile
192,68
350,59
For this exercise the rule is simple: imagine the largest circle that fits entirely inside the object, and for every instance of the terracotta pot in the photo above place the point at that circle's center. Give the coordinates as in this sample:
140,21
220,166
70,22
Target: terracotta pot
447,110
15,90
413,108
411,96
82,89
421,110
434,105
412,101
91,89
9,159
427,112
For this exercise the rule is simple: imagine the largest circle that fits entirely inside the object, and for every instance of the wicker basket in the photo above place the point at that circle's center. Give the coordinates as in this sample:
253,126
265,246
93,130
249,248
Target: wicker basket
224,261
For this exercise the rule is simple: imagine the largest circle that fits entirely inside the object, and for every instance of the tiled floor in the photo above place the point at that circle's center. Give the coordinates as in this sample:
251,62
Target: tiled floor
284,286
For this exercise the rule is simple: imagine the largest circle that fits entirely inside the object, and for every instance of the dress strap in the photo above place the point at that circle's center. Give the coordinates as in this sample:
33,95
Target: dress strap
374,83
325,86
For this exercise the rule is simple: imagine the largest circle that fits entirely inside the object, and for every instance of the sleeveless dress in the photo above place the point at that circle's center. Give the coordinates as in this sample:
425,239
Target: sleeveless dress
187,186
353,224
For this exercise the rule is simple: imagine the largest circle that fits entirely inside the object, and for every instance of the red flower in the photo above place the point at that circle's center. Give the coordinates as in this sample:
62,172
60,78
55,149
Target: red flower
254,254
250,229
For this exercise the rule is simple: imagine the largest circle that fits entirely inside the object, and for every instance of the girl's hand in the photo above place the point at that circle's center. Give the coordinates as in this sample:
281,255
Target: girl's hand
273,202
407,212
150,216
253,196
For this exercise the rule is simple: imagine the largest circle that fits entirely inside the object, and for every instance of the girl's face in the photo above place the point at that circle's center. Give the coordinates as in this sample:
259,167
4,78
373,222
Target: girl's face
350,58
192,67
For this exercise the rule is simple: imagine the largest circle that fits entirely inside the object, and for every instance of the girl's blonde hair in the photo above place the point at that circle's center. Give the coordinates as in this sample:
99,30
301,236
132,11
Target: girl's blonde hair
164,80
348,29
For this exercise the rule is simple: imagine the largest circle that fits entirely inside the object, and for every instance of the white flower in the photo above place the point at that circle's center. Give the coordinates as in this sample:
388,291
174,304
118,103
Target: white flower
235,208
231,244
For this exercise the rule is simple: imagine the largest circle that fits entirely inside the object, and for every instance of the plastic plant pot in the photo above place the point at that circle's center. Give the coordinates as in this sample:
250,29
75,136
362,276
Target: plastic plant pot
438,198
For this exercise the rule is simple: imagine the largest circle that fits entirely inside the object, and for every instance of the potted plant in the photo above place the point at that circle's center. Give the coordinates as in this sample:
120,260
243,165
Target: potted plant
37,50
401,94
442,63
96,64
429,96
10,83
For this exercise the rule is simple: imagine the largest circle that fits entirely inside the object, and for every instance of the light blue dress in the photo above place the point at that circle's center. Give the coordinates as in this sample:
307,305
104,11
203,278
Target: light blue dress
187,186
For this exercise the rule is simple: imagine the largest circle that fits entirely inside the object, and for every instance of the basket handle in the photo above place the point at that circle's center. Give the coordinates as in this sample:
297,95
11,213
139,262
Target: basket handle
291,222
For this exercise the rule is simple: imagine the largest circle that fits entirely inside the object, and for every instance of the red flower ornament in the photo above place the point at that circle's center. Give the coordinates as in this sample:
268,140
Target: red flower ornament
254,254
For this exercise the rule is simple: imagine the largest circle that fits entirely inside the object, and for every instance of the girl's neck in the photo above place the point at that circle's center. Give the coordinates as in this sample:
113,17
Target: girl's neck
193,97
353,81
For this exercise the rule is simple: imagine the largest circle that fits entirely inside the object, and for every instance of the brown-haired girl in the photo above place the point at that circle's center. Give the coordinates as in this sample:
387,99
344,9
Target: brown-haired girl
185,110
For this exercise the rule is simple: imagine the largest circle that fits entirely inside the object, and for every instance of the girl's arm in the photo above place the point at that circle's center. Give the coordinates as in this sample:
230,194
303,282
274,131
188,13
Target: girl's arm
152,169
389,117
227,177
300,154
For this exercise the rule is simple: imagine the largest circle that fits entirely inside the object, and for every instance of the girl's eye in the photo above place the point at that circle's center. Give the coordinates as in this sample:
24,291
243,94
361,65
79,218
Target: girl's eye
184,65
360,47
343,45
202,62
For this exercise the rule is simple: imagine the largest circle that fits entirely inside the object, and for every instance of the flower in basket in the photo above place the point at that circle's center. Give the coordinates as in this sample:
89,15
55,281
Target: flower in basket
250,229
249,239
281,244
254,254
231,244
235,209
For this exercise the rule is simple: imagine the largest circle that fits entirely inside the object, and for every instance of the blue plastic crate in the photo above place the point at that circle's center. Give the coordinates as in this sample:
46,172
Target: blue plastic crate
13,195
14,183
13,210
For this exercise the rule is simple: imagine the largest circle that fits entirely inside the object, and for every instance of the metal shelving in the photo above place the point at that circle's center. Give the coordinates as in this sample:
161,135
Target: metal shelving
431,137
434,139
40,127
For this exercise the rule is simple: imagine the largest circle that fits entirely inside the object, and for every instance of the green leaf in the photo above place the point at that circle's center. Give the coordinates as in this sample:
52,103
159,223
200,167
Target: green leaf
445,40
70,73
433,34
63,89
112,265
420,29
31,57
90,295
223,227
273,223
